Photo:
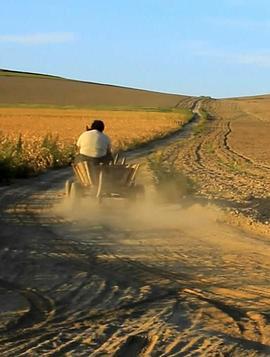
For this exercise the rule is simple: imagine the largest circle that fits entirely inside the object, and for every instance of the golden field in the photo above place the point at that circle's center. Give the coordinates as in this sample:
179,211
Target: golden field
32,140
34,107
124,127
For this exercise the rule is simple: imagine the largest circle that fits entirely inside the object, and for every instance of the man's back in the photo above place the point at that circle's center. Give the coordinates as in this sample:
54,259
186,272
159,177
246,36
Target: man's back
93,143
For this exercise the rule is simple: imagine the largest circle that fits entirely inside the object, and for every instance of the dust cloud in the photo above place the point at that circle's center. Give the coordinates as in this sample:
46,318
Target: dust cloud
151,213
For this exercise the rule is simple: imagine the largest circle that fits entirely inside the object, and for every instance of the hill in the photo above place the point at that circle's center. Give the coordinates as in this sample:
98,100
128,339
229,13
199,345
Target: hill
24,88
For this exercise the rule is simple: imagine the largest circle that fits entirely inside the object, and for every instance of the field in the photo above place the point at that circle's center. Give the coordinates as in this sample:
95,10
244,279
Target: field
48,113
20,88
41,138
183,271
126,128
229,158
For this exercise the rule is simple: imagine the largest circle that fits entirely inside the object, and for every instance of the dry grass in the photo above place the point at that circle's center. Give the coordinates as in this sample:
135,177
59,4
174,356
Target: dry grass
32,140
124,127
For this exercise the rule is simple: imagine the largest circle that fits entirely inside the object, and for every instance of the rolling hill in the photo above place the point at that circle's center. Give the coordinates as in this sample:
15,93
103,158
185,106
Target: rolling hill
24,88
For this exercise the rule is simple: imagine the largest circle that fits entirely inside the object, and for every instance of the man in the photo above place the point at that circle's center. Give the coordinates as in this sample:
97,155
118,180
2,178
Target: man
94,146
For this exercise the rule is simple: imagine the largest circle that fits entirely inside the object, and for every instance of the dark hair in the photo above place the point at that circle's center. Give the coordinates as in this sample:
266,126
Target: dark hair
97,125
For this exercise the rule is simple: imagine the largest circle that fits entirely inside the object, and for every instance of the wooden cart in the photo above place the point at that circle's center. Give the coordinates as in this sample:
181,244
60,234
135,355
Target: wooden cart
116,180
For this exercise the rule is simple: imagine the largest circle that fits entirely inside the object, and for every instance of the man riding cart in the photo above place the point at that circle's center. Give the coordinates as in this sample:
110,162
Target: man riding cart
96,172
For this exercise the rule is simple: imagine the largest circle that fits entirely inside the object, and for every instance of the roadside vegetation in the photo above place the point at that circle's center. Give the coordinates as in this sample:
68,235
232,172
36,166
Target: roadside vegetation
20,158
201,125
33,150
170,182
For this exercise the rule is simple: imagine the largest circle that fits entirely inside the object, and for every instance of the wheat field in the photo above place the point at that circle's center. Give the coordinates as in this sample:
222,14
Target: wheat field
33,139
124,127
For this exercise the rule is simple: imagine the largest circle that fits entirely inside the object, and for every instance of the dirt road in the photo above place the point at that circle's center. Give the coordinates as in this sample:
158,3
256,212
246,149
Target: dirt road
153,279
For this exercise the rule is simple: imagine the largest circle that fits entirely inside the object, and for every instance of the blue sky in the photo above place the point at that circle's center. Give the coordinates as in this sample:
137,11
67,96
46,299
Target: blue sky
197,47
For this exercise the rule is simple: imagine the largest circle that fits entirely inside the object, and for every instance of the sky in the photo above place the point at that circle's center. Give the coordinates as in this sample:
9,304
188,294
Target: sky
217,48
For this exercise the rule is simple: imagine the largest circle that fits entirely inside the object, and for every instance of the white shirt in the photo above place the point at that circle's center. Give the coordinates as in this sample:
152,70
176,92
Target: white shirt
93,143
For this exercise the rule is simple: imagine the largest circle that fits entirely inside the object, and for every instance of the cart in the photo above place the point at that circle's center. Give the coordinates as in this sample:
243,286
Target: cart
115,180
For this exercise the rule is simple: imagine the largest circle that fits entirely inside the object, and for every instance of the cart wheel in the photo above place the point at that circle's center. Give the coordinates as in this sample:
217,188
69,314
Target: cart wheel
75,192
68,184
